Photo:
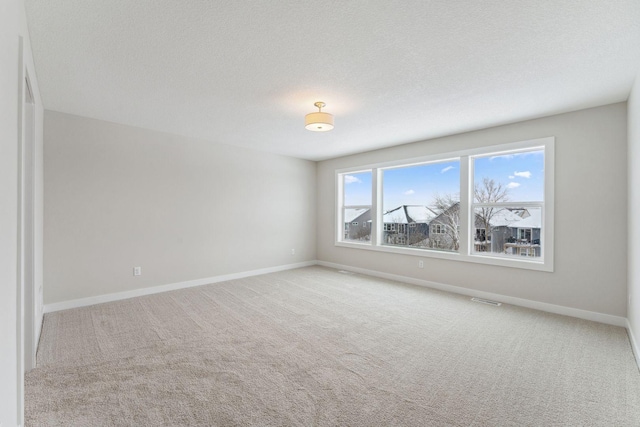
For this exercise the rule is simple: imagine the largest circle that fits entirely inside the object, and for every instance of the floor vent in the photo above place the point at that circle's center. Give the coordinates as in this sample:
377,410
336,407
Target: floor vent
487,301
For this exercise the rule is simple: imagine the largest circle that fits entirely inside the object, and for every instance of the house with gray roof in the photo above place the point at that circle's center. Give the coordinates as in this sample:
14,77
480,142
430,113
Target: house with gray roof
357,224
407,225
525,235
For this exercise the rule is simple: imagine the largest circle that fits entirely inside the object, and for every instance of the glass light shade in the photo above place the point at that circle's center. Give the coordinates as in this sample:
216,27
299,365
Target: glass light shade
318,122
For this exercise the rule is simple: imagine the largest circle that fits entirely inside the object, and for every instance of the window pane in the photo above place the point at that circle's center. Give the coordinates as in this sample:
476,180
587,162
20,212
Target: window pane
417,197
418,205
356,211
357,224
357,189
509,177
511,231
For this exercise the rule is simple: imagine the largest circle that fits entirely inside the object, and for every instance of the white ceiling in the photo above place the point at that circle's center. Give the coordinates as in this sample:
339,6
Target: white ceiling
245,72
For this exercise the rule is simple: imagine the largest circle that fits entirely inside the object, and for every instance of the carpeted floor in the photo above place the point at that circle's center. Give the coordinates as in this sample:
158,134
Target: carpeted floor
316,347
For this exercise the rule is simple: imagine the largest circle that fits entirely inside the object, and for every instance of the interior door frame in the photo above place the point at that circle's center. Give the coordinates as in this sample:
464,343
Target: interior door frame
29,299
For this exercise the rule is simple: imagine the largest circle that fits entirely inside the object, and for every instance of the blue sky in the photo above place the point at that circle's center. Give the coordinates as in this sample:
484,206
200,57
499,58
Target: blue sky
521,173
417,185
357,189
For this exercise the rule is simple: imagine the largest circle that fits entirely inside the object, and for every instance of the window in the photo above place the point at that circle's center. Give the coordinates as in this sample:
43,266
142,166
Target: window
524,234
356,206
491,205
418,194
437,229
508,200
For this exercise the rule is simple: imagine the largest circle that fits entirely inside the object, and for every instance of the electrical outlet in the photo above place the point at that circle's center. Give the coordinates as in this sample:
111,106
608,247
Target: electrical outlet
421,264
293,251
137,271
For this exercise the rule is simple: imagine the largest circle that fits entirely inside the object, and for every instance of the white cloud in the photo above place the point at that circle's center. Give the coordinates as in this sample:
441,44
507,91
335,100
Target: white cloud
350,179
447,169
504,156
408,192
523,174
513,185
511,177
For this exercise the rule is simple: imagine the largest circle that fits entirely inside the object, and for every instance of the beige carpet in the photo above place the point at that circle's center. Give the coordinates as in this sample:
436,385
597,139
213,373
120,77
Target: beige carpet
316,347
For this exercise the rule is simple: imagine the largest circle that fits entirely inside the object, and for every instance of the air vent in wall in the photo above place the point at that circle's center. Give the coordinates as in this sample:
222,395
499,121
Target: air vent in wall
487,301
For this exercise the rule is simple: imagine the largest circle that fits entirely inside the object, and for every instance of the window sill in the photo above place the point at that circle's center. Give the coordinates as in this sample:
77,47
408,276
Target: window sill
497,260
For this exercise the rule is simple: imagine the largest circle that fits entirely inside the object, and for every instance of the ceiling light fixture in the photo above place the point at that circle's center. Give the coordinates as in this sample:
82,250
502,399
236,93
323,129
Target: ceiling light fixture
318,122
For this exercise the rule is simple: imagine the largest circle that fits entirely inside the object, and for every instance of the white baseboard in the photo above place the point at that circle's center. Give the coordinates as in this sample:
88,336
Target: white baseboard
551,308
542,306
634,343
99,299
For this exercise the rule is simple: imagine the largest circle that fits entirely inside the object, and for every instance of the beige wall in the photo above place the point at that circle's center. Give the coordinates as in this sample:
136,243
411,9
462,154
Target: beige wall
590,214
634,213
182,209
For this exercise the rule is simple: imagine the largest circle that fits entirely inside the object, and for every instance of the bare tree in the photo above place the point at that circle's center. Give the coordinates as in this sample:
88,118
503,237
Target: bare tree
489,192
363,232
417,234
448,209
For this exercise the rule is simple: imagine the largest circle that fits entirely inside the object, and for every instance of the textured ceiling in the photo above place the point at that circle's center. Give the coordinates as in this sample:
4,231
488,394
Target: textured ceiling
246,72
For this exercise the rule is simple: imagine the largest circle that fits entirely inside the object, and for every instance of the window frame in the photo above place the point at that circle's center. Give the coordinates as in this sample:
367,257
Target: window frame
340,207
465,252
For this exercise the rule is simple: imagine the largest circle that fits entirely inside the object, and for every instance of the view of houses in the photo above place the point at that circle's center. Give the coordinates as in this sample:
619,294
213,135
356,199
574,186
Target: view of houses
510,231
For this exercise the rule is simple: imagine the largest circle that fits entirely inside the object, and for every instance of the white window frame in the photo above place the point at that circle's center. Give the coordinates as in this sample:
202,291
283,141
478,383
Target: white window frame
465,253
341,207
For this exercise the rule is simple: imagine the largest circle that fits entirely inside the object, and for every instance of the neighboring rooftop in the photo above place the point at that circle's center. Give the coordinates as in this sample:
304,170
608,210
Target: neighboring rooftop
351,214
406,214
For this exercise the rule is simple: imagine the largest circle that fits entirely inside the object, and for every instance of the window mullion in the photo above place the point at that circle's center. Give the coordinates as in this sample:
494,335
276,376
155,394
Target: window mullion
339,230
504,228
376,206
465,194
